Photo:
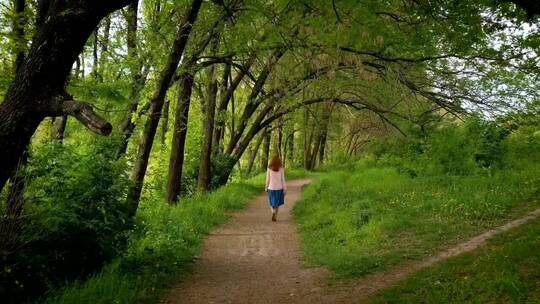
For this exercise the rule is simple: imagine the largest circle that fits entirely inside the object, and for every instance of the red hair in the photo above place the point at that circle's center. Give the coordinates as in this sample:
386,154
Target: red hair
275,163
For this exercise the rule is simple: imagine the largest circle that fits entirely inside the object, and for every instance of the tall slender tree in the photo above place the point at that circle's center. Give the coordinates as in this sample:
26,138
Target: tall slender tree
156,103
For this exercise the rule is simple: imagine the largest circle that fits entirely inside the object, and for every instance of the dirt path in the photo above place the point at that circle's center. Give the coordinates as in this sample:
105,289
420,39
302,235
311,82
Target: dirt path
253,260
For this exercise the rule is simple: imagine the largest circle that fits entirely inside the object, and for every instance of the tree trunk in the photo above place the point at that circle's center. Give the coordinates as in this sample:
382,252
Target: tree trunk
322,147
128,126
287,147
176,163
165,122
253,155
43,7
326,115
59,128
17,179
104,46
156,105
208,130
83,64
253,104
307,139
220,117
37,90
291,148
18,32
95,56
314,153
307,151
266,149
78,67
280,137
186,82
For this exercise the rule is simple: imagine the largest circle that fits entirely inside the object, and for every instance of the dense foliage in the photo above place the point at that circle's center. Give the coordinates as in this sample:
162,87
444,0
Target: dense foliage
75,220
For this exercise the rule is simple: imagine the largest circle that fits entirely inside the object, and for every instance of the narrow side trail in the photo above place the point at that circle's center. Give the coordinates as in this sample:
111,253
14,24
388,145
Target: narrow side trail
251,259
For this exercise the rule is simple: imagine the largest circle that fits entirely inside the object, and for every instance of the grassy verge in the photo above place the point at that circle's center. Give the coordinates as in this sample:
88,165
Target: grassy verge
366,219
161,247
506,270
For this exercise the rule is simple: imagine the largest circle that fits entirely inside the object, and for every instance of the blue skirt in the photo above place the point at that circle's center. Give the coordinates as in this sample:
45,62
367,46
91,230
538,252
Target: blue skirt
276,198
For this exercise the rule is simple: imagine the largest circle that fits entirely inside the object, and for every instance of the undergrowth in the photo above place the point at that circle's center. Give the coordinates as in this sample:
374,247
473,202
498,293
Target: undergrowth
162,246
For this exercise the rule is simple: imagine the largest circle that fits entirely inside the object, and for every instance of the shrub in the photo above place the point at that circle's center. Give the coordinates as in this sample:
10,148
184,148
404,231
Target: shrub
75,219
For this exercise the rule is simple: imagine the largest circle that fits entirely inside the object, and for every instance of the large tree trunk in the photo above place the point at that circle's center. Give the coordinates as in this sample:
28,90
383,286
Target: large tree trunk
18,32
208,130
176,163
38,88
156,105
43,7
17,180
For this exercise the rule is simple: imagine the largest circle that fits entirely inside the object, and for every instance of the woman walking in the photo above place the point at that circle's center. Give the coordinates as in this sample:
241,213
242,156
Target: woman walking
275,185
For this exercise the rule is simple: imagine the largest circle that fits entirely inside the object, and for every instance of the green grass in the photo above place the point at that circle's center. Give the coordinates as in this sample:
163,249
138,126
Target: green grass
365,219
506,270
161,247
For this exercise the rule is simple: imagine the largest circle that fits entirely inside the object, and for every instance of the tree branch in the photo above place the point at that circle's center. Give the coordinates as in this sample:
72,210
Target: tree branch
85,114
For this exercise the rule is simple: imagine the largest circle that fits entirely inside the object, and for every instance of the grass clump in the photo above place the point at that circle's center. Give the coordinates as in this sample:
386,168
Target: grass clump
506,270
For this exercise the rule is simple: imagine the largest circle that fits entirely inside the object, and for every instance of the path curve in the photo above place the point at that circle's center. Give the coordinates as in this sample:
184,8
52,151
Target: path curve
251,259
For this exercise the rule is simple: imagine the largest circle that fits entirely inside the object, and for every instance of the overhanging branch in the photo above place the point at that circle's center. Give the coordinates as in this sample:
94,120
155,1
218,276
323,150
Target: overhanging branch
85,114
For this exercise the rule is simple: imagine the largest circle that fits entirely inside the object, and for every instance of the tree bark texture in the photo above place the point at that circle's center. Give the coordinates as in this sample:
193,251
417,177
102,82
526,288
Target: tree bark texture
208,130
165,121
176,163
59,128
266,149
253,155
17,180
220,117
37,90
156,104
95,55
18,32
